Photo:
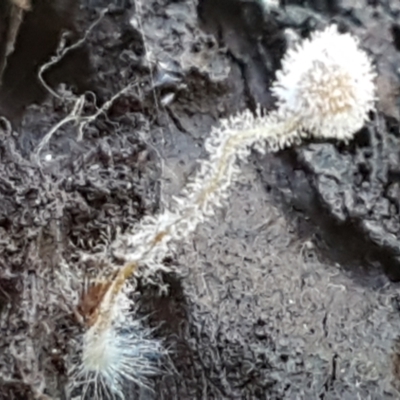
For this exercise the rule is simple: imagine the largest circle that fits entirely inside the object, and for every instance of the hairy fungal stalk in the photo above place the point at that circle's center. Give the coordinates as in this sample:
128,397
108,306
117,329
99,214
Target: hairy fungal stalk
325,89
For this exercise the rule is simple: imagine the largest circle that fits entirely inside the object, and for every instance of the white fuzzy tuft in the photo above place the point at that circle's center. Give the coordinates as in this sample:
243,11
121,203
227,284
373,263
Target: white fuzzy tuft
116,353
328,83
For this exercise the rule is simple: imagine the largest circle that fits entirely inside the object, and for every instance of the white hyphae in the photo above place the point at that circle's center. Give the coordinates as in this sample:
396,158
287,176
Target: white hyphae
327,81
117,350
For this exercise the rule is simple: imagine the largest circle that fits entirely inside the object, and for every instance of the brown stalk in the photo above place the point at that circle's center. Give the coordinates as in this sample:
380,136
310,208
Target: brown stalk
91,306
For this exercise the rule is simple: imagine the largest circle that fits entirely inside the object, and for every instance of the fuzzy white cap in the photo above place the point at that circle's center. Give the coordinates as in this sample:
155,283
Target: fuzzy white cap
327,82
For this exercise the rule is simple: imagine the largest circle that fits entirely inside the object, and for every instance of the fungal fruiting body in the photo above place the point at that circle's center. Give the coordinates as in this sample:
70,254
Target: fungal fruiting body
327,82
325,89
